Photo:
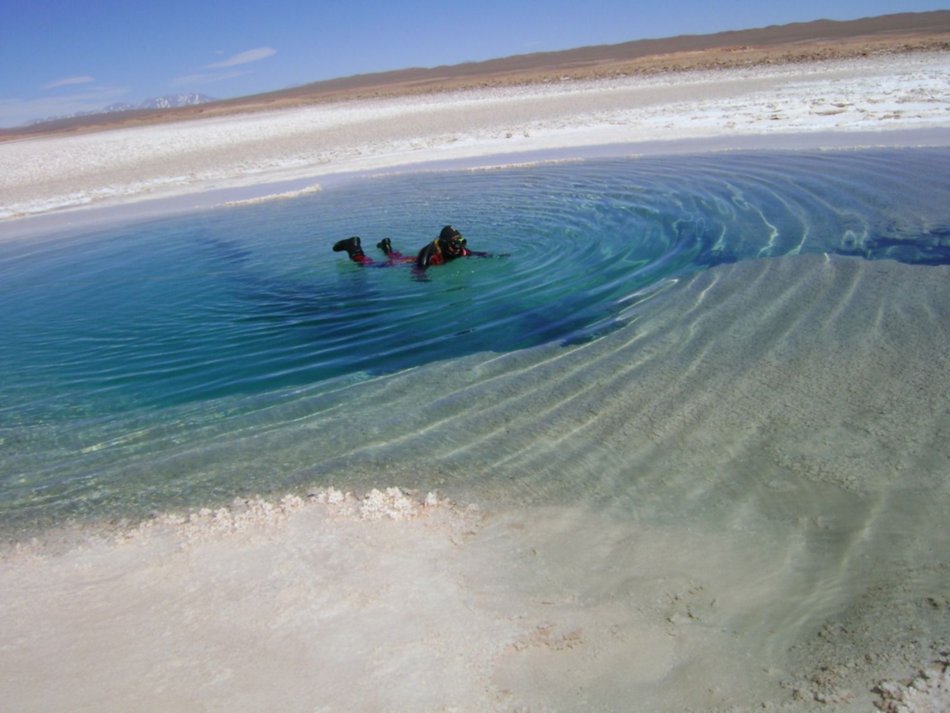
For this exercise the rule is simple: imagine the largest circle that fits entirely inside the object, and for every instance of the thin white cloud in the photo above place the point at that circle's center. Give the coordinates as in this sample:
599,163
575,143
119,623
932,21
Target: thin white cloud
69,82
205,78
254,55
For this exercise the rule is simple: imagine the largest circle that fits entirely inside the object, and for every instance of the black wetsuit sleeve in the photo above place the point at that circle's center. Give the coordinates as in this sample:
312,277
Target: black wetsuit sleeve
424,258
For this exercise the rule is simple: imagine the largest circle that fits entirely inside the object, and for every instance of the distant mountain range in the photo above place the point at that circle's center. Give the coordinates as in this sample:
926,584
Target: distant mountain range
169,101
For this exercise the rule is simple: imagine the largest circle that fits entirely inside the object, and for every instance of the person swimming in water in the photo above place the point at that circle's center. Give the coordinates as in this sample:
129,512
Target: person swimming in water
448,246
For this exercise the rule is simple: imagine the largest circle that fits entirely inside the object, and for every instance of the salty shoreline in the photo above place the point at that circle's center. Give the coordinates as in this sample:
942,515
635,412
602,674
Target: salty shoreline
203,163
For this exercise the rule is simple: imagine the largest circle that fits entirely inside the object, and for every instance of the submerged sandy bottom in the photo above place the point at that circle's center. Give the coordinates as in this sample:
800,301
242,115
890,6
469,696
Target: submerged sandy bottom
761,526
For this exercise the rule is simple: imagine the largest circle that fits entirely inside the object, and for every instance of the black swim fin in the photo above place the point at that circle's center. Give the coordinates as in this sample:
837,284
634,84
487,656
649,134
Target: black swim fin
350,245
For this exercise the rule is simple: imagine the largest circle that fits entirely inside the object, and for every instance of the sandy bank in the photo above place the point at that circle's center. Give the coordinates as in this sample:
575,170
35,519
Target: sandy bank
877,95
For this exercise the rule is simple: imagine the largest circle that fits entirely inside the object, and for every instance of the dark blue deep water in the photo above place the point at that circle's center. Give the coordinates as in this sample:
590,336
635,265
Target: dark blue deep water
133,357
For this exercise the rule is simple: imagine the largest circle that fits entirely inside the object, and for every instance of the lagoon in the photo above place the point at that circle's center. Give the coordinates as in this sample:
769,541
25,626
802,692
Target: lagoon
692,427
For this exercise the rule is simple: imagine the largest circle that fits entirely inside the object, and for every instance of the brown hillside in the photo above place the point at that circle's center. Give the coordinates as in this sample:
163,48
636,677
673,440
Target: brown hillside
799,42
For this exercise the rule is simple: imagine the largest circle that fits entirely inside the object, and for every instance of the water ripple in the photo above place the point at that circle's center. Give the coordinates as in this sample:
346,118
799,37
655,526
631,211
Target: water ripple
115,342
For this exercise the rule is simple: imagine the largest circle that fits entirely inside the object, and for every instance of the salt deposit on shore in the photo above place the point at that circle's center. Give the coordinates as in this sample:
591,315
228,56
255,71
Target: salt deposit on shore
873,94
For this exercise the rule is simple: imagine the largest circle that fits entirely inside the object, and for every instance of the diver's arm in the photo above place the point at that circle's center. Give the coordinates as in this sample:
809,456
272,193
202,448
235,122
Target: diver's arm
424,258
478,253
430,255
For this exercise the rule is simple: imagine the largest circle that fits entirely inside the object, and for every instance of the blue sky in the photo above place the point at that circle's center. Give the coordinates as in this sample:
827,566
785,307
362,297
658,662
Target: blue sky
62,56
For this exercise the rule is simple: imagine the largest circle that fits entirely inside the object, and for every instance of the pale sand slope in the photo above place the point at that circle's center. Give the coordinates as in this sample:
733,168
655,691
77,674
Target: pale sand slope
763,527
872,94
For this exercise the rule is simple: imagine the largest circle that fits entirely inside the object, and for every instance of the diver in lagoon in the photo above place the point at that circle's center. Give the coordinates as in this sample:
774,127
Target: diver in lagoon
448,246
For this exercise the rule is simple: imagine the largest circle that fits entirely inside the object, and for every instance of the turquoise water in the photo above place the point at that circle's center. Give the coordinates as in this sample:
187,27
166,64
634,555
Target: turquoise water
193,359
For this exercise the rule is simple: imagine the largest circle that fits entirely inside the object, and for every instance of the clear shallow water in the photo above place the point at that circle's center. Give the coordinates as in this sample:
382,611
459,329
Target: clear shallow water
189,360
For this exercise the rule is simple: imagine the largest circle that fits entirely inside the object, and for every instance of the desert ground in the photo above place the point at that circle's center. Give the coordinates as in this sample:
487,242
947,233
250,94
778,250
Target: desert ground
818,84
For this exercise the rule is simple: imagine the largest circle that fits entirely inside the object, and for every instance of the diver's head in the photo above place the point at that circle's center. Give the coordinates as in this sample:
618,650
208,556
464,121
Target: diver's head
451,242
